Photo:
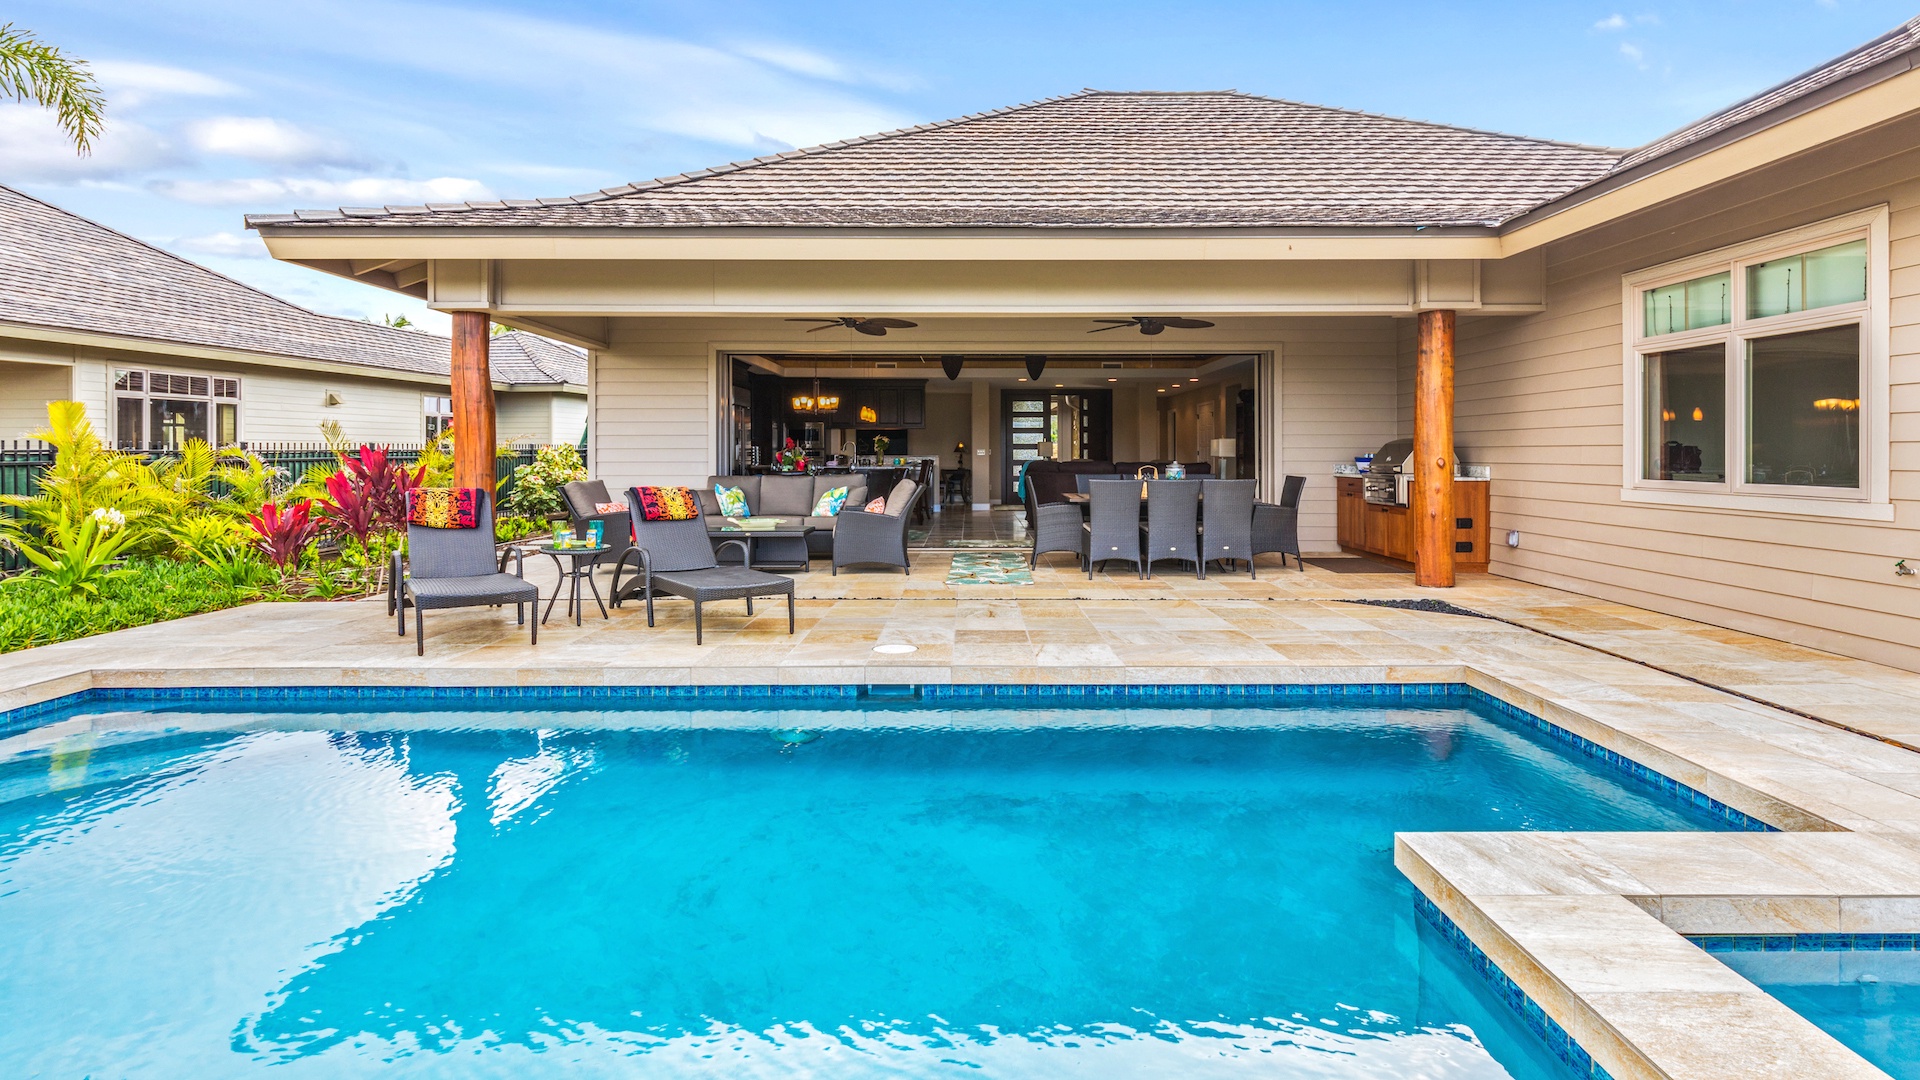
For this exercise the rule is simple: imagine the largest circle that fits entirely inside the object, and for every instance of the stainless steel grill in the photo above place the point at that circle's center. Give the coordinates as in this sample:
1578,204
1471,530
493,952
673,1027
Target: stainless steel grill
1382,484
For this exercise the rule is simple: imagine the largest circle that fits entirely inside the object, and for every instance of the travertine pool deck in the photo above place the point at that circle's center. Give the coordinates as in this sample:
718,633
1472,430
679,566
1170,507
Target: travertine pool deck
1588,925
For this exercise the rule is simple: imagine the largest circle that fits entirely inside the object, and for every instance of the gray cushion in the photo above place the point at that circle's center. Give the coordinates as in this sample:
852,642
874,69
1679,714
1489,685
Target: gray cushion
584,496
898,497
822,523
784,496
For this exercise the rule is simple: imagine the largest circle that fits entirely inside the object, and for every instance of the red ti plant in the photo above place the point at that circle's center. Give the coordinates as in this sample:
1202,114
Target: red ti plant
369,493
282,534
347,507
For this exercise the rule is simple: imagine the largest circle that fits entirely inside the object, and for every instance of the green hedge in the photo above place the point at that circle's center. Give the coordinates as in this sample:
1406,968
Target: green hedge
33,612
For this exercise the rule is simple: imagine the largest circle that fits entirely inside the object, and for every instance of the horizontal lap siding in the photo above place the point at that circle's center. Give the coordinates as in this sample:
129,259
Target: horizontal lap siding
1539,398
23,407
1336,400
653,411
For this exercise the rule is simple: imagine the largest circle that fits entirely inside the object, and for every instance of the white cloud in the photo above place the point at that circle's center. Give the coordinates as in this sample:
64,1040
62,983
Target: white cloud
262,138
1615,21
32,147
226,244
129,84
797,60
1634,53
261,193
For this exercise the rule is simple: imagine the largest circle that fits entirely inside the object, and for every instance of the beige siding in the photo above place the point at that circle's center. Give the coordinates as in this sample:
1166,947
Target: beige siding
1337,387
27,389
523,417
1540,399
569,417
653,407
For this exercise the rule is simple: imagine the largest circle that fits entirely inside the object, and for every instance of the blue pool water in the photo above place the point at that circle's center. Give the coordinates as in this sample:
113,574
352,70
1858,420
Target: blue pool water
669,892
1869,1000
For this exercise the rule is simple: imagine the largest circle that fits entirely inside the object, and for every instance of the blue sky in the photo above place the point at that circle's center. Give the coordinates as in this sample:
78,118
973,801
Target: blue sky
222,107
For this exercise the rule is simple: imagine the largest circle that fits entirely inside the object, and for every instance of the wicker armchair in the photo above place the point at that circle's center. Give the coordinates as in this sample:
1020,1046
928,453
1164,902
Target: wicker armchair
1226,523
583,499
1276,527
677,558
1057,527
455,568
862,538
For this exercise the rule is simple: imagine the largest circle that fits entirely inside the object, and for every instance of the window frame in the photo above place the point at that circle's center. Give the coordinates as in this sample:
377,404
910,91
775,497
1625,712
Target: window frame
1870,500
427,418
146,394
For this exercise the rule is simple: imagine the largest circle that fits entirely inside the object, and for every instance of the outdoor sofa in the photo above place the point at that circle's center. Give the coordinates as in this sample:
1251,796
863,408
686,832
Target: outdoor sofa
787,495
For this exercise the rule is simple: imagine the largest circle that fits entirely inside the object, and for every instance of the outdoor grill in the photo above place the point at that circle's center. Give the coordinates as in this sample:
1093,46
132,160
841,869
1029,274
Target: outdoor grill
1383,484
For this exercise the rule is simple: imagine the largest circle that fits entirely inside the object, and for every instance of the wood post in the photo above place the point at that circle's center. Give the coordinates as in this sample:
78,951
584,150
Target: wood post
473,416
1432,498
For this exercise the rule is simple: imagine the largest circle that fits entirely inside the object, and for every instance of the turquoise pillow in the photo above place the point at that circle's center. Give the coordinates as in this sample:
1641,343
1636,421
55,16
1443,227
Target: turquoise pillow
830,503
733,501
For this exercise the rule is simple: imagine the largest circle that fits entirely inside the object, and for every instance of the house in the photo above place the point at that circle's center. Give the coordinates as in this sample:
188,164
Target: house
161,349
1690,367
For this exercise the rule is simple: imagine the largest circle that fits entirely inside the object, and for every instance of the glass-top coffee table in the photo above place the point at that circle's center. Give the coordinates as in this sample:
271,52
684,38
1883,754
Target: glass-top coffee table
783,547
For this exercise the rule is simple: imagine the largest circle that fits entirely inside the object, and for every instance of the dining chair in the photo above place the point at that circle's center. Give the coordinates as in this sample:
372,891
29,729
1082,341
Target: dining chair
1113,524
1226,523
1276,527
1172,530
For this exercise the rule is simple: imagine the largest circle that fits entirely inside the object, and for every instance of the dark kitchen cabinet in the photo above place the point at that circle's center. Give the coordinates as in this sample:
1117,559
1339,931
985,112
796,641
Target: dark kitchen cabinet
887,405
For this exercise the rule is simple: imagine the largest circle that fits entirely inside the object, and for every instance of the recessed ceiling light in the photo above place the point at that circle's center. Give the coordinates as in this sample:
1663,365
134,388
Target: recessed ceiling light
1194,379
1059,386
1113,380
1162,390
1023,378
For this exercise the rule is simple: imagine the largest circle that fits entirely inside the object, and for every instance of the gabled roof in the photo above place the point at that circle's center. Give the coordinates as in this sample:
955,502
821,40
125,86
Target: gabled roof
60,271
1093,159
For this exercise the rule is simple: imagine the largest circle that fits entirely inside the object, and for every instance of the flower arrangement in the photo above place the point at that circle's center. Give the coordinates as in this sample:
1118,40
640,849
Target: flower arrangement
791,458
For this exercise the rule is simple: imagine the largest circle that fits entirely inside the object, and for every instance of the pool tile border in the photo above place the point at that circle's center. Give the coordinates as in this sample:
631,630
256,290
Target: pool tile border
1731,943
1544,1028
1429,693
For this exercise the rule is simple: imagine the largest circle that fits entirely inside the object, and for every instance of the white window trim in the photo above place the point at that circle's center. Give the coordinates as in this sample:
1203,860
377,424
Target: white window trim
1871,501
145,395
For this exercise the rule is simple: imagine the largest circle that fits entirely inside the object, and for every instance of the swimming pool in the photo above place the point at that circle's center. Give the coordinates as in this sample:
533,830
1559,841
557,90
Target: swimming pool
761,888
1863,989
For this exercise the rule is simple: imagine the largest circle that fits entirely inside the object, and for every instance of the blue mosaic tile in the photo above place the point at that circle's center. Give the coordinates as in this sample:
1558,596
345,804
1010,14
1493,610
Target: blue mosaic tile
1438,694
1723,943
1544,1027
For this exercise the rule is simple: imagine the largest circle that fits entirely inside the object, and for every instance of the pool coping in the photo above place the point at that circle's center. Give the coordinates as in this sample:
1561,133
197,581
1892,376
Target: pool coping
1540,915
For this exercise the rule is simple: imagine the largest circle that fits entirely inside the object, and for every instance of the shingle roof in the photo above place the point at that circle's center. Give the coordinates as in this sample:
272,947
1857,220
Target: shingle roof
1092,159
61,271
518,358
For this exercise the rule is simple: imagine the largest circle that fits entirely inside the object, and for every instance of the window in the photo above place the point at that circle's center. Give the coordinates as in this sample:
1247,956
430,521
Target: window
162,410
439,413
1757,374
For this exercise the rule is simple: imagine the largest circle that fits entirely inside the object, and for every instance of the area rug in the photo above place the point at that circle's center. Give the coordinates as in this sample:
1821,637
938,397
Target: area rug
1356,565
983,568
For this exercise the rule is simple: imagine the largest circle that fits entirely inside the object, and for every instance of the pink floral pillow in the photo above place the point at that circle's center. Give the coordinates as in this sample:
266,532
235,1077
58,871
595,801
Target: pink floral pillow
877,506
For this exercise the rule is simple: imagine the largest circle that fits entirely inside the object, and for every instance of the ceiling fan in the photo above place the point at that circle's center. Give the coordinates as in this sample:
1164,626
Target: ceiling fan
1151,327
870,327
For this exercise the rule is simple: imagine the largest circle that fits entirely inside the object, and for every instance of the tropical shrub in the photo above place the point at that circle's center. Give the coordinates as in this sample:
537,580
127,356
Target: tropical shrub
34,610
536,486
283,533
78,559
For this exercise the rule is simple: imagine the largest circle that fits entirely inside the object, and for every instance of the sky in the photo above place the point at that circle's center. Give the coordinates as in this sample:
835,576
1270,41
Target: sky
219,108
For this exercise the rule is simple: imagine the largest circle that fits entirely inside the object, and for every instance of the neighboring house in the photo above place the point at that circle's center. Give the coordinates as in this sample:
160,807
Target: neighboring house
161,349
1693,367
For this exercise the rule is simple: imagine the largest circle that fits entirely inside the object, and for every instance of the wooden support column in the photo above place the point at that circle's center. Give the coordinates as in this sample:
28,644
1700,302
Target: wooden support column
473,415
1432,496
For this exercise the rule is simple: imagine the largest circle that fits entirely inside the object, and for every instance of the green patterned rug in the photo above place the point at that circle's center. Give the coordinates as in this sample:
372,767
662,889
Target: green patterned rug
989,568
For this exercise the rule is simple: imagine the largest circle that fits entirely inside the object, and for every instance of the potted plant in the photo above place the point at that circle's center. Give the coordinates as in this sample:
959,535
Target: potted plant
790,458
880,444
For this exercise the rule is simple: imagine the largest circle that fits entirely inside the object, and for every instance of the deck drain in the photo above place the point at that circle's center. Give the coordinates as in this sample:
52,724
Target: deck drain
895,650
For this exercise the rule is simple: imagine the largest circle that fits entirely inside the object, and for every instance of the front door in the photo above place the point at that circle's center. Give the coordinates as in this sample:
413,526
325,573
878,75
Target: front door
1078,424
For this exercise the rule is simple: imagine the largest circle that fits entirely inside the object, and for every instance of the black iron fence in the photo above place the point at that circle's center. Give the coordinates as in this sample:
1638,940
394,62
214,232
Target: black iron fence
24,461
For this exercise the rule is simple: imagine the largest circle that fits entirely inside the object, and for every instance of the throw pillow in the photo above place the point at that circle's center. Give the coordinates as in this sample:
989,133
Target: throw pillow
444,508
610,508
830,503
877,506
733,501
668,504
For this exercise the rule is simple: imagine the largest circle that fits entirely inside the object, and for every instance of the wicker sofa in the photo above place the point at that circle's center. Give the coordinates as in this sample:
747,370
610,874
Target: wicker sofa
787,496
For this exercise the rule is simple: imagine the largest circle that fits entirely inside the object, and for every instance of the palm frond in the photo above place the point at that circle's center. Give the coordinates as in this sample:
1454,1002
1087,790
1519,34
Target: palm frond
33,71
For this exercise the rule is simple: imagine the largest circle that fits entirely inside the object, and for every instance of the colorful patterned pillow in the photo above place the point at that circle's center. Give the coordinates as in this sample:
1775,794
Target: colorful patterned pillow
830,503
668,504
877,506
733,501
610,508
444,508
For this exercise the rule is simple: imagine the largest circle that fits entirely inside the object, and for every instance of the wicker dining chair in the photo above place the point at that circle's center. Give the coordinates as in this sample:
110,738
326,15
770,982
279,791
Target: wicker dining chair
1172,530
1226,523
1112,530
1276,527
1057,527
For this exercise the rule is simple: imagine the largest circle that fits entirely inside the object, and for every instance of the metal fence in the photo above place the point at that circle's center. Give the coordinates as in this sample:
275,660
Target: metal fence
24,461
